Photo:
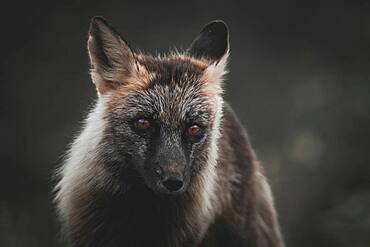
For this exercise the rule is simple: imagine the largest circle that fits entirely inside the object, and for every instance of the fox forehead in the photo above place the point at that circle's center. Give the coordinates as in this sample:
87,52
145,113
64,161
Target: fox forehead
172,105
170,89
174,64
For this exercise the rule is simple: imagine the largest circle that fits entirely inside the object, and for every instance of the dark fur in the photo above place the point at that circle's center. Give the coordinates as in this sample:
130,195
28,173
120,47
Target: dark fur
124,204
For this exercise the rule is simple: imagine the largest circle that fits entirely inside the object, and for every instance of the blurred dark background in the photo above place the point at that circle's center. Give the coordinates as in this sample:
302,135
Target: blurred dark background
299,80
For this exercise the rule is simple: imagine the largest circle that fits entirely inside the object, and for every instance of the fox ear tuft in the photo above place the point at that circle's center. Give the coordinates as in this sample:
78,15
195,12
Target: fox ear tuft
212,43
112,60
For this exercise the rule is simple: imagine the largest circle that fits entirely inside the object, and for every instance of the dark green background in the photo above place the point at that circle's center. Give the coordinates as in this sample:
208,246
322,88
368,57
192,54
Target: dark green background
299,79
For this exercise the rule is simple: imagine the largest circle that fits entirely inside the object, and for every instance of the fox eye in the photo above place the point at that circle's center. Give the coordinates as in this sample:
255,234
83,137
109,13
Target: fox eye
193,130
142,124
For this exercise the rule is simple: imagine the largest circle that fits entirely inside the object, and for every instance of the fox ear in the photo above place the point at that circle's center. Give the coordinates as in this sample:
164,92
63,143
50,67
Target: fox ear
112,60
212,43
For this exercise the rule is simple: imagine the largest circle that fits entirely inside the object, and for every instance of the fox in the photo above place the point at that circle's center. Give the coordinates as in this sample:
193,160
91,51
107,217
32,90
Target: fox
162,159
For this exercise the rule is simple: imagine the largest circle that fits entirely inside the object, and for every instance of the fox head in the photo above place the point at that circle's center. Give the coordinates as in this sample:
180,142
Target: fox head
161,115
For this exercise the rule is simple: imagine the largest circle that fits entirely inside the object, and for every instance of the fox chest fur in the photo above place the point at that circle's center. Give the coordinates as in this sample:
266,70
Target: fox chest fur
162,160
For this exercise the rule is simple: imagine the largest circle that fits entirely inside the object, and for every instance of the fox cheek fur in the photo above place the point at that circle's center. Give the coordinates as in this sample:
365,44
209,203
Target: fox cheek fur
162,160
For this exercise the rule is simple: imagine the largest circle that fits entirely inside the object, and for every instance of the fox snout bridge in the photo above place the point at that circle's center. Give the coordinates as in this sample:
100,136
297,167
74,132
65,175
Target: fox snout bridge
171,175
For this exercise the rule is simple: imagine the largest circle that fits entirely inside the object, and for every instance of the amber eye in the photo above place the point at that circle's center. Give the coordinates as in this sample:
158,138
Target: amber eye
142,124
193,130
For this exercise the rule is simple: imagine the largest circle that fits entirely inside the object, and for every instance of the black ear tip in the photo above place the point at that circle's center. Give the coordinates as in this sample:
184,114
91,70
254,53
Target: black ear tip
95,24
212,42
217,27
98,20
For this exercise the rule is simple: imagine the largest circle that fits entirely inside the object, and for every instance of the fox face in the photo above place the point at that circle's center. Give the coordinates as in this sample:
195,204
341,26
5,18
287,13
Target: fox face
161,114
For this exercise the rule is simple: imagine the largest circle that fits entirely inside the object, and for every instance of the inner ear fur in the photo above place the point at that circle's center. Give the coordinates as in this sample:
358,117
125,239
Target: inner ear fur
112,60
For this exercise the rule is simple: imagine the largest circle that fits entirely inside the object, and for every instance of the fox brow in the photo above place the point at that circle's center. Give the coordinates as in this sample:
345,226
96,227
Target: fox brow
173,69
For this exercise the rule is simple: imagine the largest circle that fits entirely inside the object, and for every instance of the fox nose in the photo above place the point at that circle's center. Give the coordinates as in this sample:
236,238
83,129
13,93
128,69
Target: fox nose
173,183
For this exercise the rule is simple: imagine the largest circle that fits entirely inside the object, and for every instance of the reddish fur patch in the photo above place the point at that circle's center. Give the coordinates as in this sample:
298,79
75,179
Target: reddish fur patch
142,78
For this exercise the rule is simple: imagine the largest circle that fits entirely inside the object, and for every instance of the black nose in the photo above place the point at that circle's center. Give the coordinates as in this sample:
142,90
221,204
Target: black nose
173,184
